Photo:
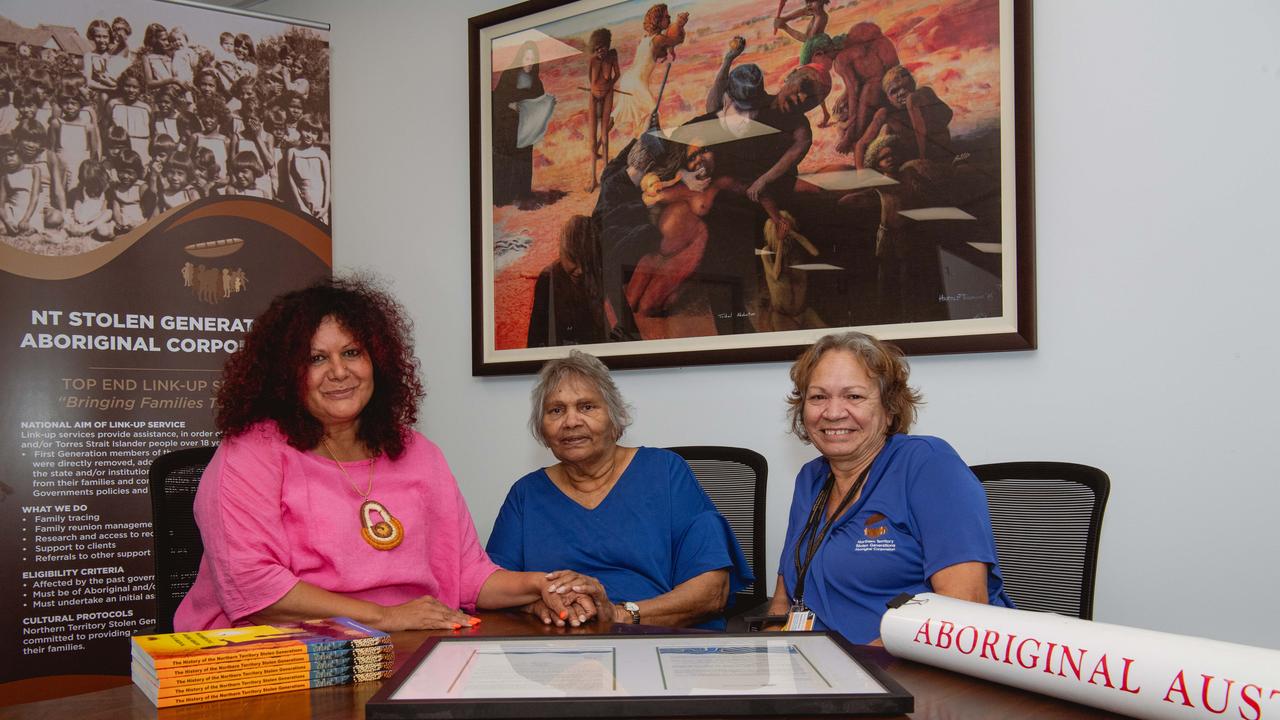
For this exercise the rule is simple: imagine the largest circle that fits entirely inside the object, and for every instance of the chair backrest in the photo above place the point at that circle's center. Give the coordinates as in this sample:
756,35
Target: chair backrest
735,480
174,478
1047,518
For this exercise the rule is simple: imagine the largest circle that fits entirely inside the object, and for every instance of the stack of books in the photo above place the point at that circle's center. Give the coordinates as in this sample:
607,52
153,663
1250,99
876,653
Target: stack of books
195,667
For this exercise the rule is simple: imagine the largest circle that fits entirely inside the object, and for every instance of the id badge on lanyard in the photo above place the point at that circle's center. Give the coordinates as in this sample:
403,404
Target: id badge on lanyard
800,618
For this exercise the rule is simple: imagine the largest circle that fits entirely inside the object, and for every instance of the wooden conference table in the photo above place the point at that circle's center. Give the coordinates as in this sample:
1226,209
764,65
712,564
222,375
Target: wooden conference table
939,694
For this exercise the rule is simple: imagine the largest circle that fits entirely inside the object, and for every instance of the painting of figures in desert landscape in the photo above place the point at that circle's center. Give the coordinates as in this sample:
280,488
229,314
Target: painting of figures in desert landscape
719,180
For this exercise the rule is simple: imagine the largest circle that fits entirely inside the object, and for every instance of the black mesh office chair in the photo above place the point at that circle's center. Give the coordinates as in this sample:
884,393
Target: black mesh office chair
174,477
735,480
1047,518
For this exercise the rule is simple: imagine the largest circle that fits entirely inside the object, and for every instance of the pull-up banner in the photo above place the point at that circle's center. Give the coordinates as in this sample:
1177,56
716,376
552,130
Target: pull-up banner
104,371
139,240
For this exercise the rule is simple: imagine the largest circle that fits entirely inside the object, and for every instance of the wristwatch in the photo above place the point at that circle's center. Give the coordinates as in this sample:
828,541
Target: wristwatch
634,609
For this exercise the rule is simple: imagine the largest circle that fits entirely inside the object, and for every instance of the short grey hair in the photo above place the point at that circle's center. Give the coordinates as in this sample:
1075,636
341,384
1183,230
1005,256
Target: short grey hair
584,367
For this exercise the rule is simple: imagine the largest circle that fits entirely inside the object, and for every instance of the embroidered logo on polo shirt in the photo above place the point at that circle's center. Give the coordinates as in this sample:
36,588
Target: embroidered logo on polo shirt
874,529
874,532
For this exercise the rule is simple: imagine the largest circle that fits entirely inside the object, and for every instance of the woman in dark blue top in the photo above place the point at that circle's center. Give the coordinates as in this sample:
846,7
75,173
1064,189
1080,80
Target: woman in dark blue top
633,518
880,512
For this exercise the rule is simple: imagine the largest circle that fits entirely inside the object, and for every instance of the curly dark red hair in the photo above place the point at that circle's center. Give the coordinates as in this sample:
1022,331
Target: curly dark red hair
263,380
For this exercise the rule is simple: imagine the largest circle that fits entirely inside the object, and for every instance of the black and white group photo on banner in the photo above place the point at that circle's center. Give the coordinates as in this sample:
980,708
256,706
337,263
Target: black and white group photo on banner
112,113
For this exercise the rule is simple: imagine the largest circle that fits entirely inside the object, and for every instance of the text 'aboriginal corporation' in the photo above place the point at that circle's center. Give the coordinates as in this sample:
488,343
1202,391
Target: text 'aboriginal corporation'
134,342
125,343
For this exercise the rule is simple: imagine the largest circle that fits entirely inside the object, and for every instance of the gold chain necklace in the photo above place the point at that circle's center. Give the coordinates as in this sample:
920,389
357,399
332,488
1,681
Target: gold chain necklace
383,534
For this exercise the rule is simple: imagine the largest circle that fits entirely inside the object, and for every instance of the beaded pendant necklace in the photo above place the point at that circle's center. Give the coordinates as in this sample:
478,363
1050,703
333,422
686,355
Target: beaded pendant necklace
383,534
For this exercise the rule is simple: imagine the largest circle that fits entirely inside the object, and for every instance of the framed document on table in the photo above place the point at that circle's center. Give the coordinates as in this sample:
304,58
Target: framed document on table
758,674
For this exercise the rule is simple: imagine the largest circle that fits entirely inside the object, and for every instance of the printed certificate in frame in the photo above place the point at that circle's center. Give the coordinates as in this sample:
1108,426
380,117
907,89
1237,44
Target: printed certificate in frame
756,674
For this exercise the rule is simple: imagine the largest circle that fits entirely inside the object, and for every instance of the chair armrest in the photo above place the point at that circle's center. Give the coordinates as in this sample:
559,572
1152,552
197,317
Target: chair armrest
756,623
754,618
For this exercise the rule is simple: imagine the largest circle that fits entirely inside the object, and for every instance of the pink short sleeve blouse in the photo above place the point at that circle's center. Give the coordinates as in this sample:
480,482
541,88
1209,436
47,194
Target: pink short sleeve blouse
272,516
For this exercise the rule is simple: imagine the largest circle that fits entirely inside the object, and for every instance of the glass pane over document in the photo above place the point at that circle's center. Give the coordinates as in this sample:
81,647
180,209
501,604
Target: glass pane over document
633,666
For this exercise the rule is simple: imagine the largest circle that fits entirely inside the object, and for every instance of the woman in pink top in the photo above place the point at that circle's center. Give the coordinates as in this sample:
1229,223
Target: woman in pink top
323,501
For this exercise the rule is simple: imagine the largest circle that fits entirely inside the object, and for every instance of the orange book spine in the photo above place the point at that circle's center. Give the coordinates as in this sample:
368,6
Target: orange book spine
264,675
233,685
355,656
164,702
246,667
217,681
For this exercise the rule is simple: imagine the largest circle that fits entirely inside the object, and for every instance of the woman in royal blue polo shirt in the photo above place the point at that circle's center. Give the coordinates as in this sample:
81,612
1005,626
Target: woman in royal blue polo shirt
881,512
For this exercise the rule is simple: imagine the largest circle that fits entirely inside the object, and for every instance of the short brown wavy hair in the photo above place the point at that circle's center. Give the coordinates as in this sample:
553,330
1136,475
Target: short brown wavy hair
264,379
884,363
651,18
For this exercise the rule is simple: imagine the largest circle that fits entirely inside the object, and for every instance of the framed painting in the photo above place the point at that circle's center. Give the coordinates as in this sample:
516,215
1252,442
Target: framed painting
712,181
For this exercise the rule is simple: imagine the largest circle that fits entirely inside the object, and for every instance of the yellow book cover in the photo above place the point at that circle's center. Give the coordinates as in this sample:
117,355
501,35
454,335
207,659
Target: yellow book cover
221,657
201,647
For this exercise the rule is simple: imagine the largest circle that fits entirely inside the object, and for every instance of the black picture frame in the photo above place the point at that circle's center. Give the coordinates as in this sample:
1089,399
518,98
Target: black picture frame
894,700
497,324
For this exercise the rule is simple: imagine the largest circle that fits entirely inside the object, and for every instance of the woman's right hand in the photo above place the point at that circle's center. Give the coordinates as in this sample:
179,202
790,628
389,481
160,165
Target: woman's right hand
779,604
423,613
581,594
539,609
577,611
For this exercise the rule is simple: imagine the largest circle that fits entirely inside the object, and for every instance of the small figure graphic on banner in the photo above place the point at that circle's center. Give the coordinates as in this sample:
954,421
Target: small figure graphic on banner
212,284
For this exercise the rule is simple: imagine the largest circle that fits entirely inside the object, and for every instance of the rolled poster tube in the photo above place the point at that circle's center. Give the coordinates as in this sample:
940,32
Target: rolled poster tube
1142,673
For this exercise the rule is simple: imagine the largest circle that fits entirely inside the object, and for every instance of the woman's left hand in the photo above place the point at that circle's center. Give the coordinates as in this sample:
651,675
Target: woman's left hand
577,593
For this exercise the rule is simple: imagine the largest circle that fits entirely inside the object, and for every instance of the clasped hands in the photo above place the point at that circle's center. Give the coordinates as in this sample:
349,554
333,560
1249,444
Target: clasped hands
567,598
571,598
